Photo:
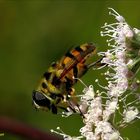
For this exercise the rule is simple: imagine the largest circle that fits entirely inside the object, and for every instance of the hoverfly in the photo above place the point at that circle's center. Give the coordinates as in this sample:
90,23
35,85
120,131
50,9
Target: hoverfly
57,83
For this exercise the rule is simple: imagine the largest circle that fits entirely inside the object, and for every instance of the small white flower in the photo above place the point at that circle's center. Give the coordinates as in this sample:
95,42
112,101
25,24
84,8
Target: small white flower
130,114
103,127
137,31
112,136
128,32
88,93
86,128
86,98
112,105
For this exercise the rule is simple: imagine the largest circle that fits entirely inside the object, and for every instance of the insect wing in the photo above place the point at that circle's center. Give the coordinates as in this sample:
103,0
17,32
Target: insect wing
76,56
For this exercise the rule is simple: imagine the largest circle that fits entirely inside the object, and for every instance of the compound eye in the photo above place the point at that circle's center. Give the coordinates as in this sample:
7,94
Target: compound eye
41,99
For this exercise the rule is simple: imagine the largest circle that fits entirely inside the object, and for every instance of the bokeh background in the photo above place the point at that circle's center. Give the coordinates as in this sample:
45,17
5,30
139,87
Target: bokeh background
35,33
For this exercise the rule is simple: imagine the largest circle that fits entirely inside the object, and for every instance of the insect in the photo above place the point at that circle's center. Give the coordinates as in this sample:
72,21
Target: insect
57,83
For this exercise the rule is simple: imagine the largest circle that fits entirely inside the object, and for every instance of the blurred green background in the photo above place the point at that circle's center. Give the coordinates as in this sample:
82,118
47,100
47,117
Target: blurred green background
35,33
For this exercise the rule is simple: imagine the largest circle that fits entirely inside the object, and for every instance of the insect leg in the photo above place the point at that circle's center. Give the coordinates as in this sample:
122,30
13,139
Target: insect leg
97,63
72,106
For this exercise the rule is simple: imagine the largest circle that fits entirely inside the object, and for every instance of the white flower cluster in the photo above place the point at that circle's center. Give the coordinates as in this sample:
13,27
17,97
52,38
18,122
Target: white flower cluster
96,127
115,58
96,114
118,76
93,115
